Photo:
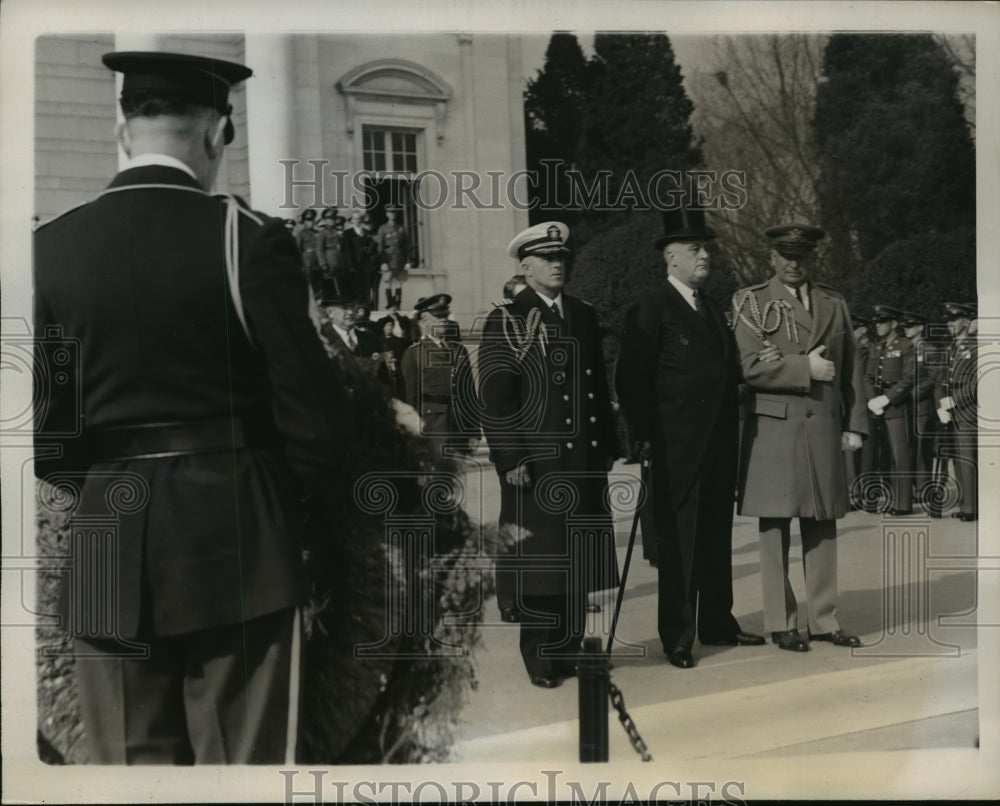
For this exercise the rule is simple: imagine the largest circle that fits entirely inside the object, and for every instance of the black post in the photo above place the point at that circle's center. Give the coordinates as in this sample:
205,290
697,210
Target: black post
592,673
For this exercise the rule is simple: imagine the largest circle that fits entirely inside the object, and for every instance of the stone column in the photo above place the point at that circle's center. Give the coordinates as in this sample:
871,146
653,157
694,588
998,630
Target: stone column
270,118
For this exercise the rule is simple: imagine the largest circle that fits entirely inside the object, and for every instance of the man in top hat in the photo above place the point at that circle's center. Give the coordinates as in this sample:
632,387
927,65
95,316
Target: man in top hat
958,403
889,378
307,240
341,328
924,430
203,387
437,378
548,420
677,382
394,254
802,411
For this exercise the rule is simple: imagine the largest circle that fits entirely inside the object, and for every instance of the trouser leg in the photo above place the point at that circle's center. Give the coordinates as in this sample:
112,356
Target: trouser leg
966,473
677,594
819,562
133,709
899,448
241,691
551,634
781,611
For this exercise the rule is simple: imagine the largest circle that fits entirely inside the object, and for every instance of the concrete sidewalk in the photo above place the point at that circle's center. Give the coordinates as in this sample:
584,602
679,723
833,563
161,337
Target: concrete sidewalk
913,685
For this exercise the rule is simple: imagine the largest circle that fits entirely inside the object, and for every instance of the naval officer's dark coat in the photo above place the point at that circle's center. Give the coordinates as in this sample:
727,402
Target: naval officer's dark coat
547,406
137,279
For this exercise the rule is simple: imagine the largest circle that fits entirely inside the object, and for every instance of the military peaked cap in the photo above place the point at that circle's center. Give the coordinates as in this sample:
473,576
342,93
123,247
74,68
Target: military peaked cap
886,313
541,240
437,305
794,240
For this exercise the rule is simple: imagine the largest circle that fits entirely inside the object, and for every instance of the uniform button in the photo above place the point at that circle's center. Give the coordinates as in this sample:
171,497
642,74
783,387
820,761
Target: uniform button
810,413
569,421
590,395
566,398
593,419
569,445
589,372
593,443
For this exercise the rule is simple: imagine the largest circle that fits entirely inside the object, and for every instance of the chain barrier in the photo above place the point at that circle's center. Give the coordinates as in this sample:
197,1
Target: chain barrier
618,701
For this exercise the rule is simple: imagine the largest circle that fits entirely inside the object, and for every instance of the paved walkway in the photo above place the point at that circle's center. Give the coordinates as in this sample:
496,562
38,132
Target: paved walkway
912,686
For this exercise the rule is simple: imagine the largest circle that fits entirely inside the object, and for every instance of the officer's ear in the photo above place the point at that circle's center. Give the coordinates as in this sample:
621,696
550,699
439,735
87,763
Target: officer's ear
124,138
215,137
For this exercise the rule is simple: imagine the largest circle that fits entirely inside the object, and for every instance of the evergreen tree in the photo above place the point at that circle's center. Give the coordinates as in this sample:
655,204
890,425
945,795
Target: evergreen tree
636,114
897,159
553,112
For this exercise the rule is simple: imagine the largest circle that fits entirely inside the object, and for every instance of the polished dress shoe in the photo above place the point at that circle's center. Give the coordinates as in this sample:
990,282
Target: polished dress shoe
900,512
738,638
965,517
654,562
510,614
681,657
544,681
838,638
593,607
791,640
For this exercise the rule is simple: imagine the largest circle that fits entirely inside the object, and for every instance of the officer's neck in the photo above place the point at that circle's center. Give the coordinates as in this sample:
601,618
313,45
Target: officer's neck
175,138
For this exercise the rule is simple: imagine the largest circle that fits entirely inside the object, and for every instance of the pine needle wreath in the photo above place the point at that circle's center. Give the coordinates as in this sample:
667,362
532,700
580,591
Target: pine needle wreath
400,705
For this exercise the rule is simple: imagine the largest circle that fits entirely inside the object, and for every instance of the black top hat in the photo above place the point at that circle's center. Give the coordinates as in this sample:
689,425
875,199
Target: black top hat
437,304
681,224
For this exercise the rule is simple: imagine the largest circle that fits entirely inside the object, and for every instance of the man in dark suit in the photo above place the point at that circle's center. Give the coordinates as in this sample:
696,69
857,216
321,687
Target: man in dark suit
552,439
357,245
437,379
803,411
678,384
341,328
924,429
204,385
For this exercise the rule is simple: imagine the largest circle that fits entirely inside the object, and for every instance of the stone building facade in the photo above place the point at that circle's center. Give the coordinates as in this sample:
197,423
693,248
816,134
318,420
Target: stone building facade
431,122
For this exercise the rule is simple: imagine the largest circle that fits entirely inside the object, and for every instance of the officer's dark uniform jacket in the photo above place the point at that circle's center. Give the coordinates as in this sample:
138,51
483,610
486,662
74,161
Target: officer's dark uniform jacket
547,406
960,381
891,370
926,359
437,382
137,279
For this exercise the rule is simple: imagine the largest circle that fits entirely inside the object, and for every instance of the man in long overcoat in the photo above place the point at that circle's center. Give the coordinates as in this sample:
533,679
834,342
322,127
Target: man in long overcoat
203,388
678,378
552,439
802,412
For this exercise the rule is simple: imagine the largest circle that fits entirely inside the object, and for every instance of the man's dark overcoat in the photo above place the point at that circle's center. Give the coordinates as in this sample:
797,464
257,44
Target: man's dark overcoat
137,280
679,387
548,407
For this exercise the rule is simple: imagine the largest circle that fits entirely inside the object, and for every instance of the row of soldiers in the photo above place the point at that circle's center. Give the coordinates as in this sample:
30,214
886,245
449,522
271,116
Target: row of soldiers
921,394
350,257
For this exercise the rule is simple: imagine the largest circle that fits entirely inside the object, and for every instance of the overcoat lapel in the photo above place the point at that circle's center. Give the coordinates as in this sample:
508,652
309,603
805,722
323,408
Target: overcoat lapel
823,305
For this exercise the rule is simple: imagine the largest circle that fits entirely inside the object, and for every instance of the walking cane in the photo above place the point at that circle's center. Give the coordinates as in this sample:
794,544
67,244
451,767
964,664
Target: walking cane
643,476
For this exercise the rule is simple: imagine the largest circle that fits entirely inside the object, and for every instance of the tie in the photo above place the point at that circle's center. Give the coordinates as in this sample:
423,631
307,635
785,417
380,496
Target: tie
556,312
801,297
698,304
352,340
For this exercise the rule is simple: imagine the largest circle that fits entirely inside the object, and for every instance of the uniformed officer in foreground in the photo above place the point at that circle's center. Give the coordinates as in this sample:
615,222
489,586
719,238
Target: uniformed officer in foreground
861,461
552,438
437,378
890,376
205,387
802,412
958,406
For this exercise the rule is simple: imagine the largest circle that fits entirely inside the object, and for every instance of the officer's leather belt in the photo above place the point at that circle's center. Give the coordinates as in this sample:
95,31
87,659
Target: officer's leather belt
436,398
155,440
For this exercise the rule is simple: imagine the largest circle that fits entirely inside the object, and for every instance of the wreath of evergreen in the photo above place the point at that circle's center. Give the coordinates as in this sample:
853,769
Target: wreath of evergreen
417,601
